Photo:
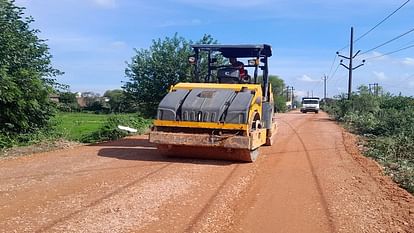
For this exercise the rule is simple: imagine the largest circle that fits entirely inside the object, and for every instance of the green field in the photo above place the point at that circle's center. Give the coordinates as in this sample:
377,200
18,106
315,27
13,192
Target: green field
74,126
90,127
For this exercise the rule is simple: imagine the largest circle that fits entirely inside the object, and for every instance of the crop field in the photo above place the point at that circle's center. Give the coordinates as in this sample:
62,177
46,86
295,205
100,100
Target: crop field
74,126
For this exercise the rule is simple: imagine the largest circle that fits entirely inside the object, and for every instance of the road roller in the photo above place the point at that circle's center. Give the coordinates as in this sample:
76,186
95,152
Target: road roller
225,112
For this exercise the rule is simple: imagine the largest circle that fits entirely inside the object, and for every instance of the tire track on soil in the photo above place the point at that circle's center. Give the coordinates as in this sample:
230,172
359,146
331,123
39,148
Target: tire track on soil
210,201
101,199
315,178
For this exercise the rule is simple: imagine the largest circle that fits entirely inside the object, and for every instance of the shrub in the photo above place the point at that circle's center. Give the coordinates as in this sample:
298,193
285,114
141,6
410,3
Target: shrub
110,131
387,122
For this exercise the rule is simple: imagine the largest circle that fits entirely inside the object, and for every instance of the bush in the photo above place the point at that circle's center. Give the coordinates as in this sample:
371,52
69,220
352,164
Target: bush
387,122
396,155
10,139
26,75
110,131
5,140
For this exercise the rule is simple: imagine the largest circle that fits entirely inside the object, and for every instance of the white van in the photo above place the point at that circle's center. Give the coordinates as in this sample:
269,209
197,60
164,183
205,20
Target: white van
310,104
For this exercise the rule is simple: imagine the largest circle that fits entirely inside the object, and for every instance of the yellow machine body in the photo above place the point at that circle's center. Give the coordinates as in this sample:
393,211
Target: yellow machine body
222,140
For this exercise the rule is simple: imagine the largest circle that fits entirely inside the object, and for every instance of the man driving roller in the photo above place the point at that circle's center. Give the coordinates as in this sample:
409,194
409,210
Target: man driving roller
239,65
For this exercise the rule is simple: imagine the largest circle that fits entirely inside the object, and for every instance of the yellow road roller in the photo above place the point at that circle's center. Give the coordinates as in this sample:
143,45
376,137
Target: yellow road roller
226,113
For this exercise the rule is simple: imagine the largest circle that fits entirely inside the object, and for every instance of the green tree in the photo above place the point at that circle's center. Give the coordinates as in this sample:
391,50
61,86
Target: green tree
203,59
26,74
67,97
68,102
278,85
116,99
94,102
152,71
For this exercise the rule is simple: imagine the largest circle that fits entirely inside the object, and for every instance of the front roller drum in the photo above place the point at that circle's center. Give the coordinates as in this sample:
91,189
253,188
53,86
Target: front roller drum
243,155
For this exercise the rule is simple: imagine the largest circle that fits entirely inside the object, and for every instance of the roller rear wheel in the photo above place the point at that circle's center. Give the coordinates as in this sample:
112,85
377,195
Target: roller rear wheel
241,155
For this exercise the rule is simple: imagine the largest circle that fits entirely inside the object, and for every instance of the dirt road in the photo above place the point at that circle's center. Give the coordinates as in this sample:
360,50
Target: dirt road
312,179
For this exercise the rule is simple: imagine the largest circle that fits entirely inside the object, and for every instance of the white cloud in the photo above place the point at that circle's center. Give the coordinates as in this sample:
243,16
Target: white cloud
226,4
175,23
300,93
119,44
306,78
380,75
105,3
408,61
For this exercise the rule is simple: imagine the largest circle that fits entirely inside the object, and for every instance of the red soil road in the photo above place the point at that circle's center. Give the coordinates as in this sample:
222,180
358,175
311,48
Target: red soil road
312,179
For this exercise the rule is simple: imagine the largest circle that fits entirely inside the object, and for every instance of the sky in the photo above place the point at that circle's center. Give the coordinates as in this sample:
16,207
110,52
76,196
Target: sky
93,40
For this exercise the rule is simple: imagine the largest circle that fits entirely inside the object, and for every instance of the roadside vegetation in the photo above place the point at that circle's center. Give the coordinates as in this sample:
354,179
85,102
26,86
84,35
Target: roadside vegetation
36,108
28,112
386,123
90,127
27,79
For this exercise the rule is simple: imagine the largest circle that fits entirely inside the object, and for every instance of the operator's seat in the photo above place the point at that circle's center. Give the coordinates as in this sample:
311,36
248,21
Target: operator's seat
228,75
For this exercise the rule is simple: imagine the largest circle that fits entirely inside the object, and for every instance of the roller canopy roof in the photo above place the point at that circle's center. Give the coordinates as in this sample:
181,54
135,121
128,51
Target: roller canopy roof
237,50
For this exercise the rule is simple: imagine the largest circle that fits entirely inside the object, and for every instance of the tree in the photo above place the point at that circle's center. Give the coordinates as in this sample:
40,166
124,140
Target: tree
67,97
26,74
116,99
278,86
68,102
152,71
94,102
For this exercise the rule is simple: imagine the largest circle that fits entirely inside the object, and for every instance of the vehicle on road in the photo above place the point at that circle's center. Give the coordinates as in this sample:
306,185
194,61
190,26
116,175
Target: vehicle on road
310,104
226,114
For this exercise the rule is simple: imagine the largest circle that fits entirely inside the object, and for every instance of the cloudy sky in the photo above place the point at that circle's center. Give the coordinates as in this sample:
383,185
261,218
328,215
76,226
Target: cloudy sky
91,40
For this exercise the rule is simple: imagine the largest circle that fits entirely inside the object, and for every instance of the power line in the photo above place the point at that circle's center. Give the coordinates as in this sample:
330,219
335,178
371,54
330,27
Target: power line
333,62
382,21
333,75
316,84
389,41
378,24
336,83
395,51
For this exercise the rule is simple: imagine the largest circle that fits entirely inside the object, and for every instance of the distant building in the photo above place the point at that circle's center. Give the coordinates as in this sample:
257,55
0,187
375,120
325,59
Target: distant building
81,101
54,98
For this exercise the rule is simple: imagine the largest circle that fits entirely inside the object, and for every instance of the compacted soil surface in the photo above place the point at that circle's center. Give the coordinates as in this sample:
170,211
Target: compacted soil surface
313,179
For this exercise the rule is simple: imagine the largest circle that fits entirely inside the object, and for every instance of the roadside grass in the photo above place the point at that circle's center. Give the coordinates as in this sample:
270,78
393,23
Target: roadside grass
68,129
386,124
75,126
90,127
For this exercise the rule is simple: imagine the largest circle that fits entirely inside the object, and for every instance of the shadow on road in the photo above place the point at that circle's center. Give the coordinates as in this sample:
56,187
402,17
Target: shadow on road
324,119
126,142
141,150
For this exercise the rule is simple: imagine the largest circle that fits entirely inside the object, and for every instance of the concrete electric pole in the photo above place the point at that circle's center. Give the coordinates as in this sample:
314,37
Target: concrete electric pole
350,67
324,86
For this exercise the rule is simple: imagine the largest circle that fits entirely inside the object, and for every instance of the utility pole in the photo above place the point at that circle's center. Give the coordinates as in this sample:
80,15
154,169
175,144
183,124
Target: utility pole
324,86
292,96
287,93
374,90
312,93
350,68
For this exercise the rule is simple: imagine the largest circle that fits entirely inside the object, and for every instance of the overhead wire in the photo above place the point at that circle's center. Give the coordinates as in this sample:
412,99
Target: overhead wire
383,44
387,42
378,24
333,74
333,62
392,52
382,21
